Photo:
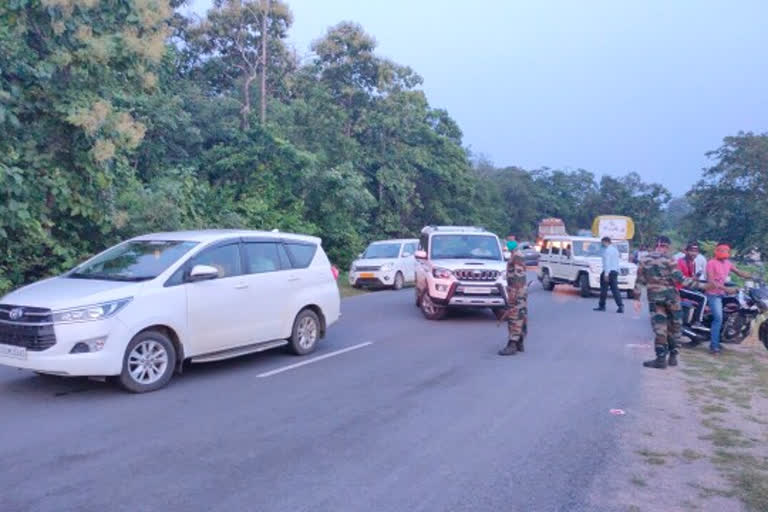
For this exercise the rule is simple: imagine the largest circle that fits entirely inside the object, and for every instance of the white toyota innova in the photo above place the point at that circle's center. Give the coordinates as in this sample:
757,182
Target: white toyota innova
140,309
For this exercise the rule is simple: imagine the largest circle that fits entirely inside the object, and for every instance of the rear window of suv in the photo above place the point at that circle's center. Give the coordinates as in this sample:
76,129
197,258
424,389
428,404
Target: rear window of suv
301,254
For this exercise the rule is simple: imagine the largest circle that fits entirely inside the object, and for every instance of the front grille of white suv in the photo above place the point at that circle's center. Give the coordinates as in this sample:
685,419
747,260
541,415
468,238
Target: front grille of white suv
476,275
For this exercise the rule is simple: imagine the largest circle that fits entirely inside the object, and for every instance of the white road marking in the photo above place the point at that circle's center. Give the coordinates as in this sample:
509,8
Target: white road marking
314,360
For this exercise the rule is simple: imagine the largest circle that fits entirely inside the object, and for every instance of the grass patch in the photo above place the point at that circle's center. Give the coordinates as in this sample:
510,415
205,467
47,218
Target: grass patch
755,419
691,455
721,388
727,438
714,409
344,287
708,492
752,488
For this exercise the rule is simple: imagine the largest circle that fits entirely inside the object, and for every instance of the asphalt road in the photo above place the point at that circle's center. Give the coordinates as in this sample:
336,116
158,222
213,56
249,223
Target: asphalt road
424,418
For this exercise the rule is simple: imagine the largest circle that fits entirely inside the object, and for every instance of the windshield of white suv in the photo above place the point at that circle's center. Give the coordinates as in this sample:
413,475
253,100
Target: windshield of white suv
382,251
478,247
134,261
590,249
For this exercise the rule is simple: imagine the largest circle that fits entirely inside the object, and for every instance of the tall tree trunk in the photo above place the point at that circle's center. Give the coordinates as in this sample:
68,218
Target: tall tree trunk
245,112
264,41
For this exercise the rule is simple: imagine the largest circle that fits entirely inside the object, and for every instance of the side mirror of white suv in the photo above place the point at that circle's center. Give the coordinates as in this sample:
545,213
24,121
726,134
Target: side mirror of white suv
507,255
203,272
420,254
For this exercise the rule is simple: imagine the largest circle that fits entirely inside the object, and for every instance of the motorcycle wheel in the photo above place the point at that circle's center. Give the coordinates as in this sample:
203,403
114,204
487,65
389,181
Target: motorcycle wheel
763,334
734,330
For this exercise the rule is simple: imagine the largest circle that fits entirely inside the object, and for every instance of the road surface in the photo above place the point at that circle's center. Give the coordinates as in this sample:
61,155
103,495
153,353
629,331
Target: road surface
416,416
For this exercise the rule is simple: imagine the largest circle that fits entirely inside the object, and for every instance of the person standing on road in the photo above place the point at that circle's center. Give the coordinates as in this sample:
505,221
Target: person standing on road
693,266
517,301
659,273
610,276
719,269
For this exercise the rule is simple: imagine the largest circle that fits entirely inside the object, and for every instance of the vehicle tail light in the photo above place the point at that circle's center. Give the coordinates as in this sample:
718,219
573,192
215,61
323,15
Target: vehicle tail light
335,272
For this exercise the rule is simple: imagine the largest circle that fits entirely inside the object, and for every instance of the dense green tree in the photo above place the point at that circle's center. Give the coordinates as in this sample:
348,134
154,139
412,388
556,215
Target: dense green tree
731,201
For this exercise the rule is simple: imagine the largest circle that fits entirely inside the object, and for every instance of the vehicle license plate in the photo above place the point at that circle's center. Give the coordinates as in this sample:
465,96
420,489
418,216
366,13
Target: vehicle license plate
13,352
475,290
367,275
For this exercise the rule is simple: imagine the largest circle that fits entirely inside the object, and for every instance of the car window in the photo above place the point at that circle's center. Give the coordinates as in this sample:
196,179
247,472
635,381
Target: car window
225,258
455,246
285,261
261,257
409,249
382,250
590,248
545,247
555,248
301,254
141,260
566,249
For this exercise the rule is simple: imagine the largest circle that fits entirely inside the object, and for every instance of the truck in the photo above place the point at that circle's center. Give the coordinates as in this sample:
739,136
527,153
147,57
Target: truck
551,226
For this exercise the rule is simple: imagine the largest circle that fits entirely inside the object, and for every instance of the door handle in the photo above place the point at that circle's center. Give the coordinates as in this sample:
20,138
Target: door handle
241,286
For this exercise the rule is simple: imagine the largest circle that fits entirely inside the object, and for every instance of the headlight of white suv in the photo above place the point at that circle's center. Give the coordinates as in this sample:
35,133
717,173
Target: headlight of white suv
90,313
387,267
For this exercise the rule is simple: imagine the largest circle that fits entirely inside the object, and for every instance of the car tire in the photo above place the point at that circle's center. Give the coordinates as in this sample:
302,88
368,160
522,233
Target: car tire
148,363
399,281
546,281
305,333
584,288
431,310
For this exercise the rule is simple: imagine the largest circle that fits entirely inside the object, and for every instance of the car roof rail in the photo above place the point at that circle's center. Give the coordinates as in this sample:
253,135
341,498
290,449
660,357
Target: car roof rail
467,229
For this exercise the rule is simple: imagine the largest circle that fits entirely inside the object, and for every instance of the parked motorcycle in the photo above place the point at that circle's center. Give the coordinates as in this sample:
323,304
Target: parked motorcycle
740,312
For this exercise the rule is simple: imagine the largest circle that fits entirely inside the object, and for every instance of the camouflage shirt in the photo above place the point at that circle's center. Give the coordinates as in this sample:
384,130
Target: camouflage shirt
517,280
659,273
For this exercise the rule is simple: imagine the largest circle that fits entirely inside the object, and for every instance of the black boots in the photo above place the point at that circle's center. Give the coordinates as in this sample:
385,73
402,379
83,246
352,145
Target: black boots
660,362
513,347
510,349
672,359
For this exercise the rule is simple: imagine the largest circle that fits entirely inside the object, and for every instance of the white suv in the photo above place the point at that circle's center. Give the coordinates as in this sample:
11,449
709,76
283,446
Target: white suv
140,309
459,266
577,261
386,263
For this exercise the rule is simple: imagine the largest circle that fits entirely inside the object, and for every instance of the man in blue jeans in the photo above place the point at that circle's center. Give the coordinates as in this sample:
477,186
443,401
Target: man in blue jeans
719,269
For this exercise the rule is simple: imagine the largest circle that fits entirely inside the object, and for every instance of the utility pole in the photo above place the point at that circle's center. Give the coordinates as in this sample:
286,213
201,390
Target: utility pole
265,4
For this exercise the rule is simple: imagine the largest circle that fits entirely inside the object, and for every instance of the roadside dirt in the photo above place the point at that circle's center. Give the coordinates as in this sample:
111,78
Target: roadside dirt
697,440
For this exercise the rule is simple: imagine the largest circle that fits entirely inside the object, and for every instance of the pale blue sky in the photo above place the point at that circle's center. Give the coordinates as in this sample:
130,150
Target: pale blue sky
610,86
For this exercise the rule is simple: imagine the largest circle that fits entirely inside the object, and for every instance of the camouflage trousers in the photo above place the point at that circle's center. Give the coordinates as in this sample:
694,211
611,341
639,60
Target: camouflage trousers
667,324
517,318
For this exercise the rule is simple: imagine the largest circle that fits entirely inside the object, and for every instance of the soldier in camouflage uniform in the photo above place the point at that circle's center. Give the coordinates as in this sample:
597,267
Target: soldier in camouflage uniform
517,300
659,273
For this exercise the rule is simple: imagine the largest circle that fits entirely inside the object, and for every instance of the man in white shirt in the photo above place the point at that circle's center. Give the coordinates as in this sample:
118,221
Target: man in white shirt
610,276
